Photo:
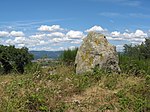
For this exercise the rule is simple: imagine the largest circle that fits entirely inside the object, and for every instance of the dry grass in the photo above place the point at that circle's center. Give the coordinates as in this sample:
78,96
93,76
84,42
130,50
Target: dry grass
58,89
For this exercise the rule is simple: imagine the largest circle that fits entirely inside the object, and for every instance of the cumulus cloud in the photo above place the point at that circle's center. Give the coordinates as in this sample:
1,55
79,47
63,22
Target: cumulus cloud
72,47
115,34
59,40
78,41
16,41
4,34
56,38
56,34
119,48
12,33
50,28
19,40
75,34
9,42
127,36
42,48
38,36
140,33
136,34
21,45
16,33
115,38
96,29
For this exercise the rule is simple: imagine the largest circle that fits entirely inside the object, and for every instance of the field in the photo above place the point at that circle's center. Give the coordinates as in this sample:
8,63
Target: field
58,89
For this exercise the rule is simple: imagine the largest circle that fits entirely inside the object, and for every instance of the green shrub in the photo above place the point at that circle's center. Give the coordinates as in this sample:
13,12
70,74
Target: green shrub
13,58
68,56
111,81
106,107
32,68
132,65
36,103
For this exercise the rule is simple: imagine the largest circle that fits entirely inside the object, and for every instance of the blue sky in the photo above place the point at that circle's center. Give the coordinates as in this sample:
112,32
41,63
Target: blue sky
62,24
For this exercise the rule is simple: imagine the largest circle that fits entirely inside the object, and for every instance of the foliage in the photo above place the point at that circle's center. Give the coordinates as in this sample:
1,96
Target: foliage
68,56
13,58
63,91
136,59
141,51
131,65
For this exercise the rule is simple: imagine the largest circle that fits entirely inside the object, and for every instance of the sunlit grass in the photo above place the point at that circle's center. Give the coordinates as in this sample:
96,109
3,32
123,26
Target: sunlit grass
59,89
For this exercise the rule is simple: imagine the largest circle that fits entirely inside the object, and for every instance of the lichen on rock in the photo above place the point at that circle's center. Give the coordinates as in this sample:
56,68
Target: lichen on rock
96,51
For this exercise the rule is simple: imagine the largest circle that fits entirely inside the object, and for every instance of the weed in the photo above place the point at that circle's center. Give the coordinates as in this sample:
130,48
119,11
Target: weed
36,102
111,81
107,107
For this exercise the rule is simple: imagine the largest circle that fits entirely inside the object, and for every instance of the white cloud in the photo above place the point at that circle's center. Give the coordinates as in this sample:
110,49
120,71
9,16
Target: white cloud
16,33
12,33
140,33
50,28
4,34
59,40
136,37
127,30
115,34
138,40
114,38
96,29
38,36
9,42
56,34
19,40
119,48
21,45
42,42
72,47
75,34
42,49
78,41
136,34
56,39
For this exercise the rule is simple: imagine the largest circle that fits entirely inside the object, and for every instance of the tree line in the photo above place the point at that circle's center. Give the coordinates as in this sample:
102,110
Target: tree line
12,58
141,51
135,59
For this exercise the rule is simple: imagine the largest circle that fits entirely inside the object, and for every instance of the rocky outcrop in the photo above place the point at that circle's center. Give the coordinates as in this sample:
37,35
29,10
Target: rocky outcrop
96,52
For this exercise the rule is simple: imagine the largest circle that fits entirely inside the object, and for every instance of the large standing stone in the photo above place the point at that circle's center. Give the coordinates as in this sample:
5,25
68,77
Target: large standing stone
96,51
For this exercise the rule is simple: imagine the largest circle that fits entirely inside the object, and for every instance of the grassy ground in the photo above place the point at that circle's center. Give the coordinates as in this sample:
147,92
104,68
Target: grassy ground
60,90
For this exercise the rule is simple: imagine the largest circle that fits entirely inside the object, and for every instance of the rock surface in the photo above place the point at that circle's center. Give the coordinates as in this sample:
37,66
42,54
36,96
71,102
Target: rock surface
96,52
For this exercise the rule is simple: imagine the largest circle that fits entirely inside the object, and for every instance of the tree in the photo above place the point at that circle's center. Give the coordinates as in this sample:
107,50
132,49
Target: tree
146,49
14,58
138,51
68,56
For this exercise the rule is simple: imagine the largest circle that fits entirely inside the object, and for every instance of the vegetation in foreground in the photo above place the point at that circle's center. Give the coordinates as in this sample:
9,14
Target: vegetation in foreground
58,89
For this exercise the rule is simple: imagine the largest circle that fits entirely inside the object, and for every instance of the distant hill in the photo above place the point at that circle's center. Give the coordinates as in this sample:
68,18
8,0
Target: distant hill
48,54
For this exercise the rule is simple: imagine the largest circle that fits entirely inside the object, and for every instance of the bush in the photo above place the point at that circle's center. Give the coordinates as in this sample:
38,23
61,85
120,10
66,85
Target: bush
132,65
68,56
13,58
